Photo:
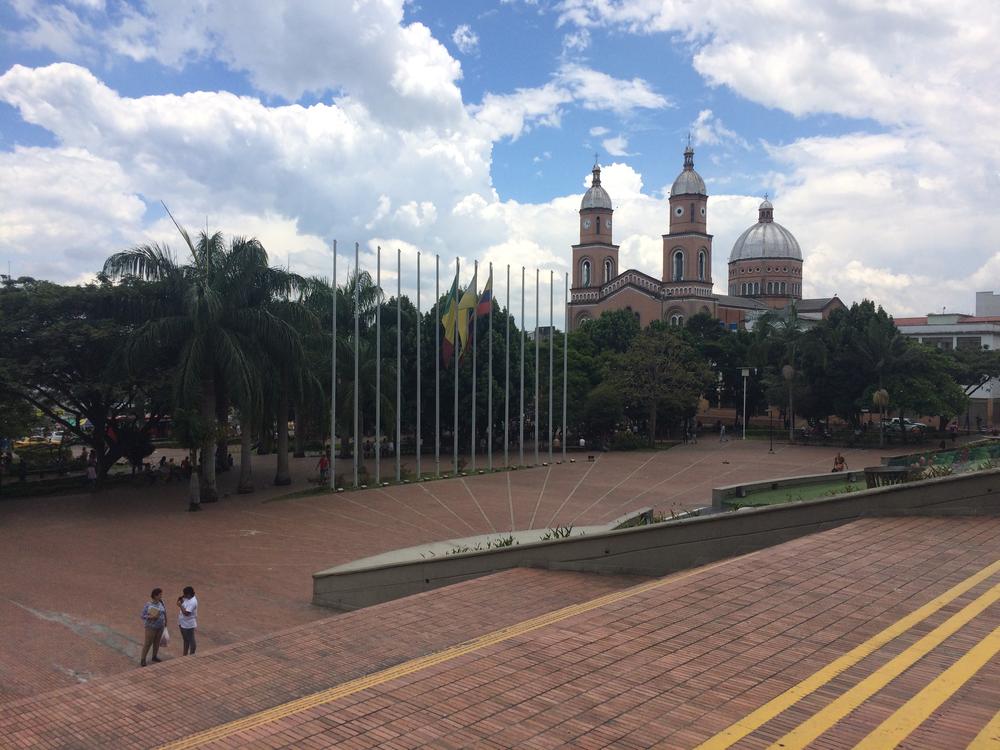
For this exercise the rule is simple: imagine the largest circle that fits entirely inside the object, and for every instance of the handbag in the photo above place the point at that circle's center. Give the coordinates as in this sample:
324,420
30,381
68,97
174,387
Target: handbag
165,638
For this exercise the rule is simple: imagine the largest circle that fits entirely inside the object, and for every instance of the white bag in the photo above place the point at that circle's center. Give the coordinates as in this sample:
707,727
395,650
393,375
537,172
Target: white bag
165,638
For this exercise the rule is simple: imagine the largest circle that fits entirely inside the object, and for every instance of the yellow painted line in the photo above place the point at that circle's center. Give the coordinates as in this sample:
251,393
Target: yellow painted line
375,679
915,711
777,705
820,722
989,736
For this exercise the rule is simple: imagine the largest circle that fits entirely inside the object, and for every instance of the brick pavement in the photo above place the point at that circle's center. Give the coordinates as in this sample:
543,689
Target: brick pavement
669,663
77,568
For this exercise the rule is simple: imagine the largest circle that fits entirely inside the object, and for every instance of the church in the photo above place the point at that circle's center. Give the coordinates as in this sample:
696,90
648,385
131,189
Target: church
765,265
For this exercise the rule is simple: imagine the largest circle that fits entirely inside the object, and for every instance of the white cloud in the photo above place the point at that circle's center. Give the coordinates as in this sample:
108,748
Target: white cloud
465,39
617,146
575,42
707,129
599,130
599,91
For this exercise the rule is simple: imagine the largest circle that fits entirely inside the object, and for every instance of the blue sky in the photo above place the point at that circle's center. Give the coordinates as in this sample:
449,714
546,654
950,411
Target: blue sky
468,129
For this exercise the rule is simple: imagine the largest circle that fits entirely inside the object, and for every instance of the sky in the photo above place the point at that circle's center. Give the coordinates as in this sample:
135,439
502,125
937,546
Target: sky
469,130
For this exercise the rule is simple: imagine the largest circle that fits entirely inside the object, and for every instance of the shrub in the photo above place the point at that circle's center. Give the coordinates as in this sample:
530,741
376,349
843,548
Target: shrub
628,441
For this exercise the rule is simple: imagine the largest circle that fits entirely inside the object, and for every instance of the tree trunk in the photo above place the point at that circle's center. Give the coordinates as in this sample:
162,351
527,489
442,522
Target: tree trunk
222,440
791,415
209,489
652,427
300,432
245,485
194,489
281,475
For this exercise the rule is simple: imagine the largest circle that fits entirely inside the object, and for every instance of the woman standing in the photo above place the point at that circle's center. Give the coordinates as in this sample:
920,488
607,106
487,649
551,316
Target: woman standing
154,620
187,620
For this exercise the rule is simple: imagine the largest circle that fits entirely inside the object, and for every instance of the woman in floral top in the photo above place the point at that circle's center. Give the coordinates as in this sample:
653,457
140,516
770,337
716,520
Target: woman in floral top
154,620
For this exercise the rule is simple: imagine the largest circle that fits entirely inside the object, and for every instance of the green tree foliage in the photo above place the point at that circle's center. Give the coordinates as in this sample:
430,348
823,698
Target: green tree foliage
62,356
224,317
661,377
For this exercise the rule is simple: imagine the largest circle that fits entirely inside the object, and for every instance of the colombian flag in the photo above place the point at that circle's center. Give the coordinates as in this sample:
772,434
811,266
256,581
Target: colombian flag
449,322
485,299
466,311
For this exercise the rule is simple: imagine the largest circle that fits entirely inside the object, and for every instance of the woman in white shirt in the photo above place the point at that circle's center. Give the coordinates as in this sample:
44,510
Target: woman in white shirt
187,619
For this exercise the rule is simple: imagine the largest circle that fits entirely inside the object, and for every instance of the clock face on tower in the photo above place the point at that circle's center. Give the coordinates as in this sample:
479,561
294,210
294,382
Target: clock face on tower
586,223
679,211
607,223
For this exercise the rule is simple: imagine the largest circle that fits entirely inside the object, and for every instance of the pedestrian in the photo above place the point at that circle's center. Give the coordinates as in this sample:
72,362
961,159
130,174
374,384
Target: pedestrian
187,620
324,468
839,463
91,476
722,434
154,620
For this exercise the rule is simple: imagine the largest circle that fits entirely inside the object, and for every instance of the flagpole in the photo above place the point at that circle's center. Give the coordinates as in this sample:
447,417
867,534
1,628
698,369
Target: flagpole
378,366
357,333
565,364
475,313
399,360
537,358
437,365
489,400
506,380
419,398
520,438
333,379
551,353
454,434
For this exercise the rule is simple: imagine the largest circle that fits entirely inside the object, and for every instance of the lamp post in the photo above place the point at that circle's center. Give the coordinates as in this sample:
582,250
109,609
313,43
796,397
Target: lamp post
881,399
788,372
746,373
770,429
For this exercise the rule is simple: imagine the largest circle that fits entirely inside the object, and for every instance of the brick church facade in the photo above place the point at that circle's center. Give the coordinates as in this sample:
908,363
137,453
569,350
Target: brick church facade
765,266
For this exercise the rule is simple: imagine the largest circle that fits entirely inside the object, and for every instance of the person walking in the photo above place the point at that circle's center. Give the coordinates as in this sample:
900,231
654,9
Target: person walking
187,620
154,620
324,468
722,434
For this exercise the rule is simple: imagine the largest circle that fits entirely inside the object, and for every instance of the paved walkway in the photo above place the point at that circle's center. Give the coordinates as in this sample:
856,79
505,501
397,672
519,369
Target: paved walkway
76,569
880,633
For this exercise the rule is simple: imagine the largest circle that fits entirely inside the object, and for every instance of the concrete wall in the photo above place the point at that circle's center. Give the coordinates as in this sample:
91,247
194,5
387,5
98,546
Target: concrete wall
664,548
734,491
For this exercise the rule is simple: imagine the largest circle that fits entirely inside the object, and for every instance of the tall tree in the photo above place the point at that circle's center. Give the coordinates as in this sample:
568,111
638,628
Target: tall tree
661,375
214,315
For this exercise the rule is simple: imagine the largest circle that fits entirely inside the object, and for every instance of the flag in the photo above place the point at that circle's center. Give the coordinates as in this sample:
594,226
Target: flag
466,307
448,321
485,299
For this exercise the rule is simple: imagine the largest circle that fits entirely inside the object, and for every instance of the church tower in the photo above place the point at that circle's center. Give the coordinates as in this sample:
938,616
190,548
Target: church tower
595,258
687,249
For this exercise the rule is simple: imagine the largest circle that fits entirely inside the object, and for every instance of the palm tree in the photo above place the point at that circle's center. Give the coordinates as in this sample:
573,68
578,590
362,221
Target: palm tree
214,313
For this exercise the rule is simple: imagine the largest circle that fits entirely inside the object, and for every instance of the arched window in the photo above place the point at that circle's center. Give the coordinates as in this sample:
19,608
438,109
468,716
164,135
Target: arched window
782,287
676,320
678,274
701,266
585,273
743,289
609,270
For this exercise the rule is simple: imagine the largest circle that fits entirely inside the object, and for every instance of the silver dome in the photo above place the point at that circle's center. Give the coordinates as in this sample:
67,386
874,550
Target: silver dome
596,196
688,182
766,239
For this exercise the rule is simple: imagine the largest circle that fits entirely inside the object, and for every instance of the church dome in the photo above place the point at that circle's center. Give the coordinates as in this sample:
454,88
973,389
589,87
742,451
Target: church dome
596,196
688,182
766,239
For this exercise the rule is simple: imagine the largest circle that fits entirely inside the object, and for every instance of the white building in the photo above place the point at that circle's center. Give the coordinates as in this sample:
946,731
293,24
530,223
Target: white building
951,331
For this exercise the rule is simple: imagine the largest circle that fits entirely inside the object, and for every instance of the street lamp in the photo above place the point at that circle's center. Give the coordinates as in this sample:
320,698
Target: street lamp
770,429
788,372
746,373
